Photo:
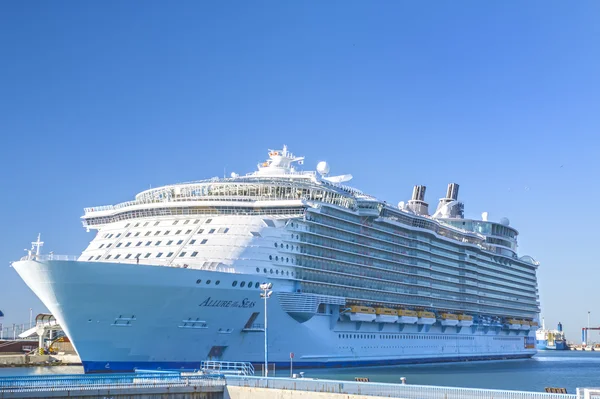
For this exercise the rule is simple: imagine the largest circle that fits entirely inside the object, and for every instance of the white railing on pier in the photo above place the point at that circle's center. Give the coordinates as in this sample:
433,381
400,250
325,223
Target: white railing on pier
230,368
588,393
79,382
404,391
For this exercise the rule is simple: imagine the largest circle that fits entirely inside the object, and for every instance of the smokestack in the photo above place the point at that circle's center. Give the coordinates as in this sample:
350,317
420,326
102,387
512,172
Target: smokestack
450,207
417,203
419,193
452,192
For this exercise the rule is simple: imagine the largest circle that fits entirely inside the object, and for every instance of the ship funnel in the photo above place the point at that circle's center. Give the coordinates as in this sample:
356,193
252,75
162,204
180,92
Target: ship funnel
450,207
452,191
417,203
419,193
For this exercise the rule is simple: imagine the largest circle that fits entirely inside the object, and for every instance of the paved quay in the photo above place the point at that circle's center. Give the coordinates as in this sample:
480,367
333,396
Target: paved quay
193,385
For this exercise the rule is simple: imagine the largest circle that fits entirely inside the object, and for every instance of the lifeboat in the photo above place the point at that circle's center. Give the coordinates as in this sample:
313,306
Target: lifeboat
534,325
385,315
426,318
465,320
513,324
449,319
525,325
362,313
406,316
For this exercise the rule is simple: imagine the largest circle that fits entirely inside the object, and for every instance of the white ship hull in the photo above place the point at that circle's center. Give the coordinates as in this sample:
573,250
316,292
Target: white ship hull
125,316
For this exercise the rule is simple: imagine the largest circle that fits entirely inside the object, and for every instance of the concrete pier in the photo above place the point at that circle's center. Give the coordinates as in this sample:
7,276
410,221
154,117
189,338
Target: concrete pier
176,385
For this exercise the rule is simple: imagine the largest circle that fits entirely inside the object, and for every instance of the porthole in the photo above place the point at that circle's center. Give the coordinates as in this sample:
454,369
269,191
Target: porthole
265,269
250,284
257,284
257,270
277,258
270,257
271,271
287,260
287,246
234,284
217,282
207,281
275,245
276,271
243,284
198,281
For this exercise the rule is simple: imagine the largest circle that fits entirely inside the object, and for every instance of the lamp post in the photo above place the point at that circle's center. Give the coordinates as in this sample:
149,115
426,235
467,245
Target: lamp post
266,294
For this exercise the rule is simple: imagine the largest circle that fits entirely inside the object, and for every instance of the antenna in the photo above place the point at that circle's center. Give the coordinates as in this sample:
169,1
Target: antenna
37,245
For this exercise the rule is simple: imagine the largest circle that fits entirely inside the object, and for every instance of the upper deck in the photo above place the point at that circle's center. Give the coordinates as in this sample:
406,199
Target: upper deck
277,185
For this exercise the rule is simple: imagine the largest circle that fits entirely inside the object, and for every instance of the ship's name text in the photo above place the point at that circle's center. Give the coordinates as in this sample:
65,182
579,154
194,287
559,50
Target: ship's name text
218,303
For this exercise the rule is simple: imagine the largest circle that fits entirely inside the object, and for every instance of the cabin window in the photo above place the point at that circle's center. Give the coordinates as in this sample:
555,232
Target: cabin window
169,254
182,254
194,254
127,256
147,255
204,241
192,242
157,233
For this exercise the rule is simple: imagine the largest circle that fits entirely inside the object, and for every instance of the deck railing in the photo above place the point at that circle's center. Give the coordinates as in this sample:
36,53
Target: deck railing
404,391
230,368
75,382
49,257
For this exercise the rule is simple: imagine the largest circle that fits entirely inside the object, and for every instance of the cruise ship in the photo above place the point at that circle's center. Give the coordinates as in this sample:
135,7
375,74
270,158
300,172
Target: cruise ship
175,276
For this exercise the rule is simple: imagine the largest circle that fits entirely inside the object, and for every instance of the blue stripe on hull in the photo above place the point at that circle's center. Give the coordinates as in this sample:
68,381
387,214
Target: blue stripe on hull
100,367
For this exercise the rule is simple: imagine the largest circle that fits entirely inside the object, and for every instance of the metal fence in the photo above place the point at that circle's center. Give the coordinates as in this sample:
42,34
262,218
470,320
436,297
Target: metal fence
588,393
404,391
78,382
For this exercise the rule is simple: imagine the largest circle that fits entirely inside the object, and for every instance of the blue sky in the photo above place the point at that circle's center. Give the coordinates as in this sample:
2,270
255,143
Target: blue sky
100,100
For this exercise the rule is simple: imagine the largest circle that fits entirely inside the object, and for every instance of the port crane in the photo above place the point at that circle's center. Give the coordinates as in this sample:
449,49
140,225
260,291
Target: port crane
584,334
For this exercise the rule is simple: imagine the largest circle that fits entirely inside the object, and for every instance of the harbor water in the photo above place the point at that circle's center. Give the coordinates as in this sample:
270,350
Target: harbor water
565,369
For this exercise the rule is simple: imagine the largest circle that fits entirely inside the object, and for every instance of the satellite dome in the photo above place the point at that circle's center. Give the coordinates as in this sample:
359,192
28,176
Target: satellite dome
234,175
504,221
401,205
323,167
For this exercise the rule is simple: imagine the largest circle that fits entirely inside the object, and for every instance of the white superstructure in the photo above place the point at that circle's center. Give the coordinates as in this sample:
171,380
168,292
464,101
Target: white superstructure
172,277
